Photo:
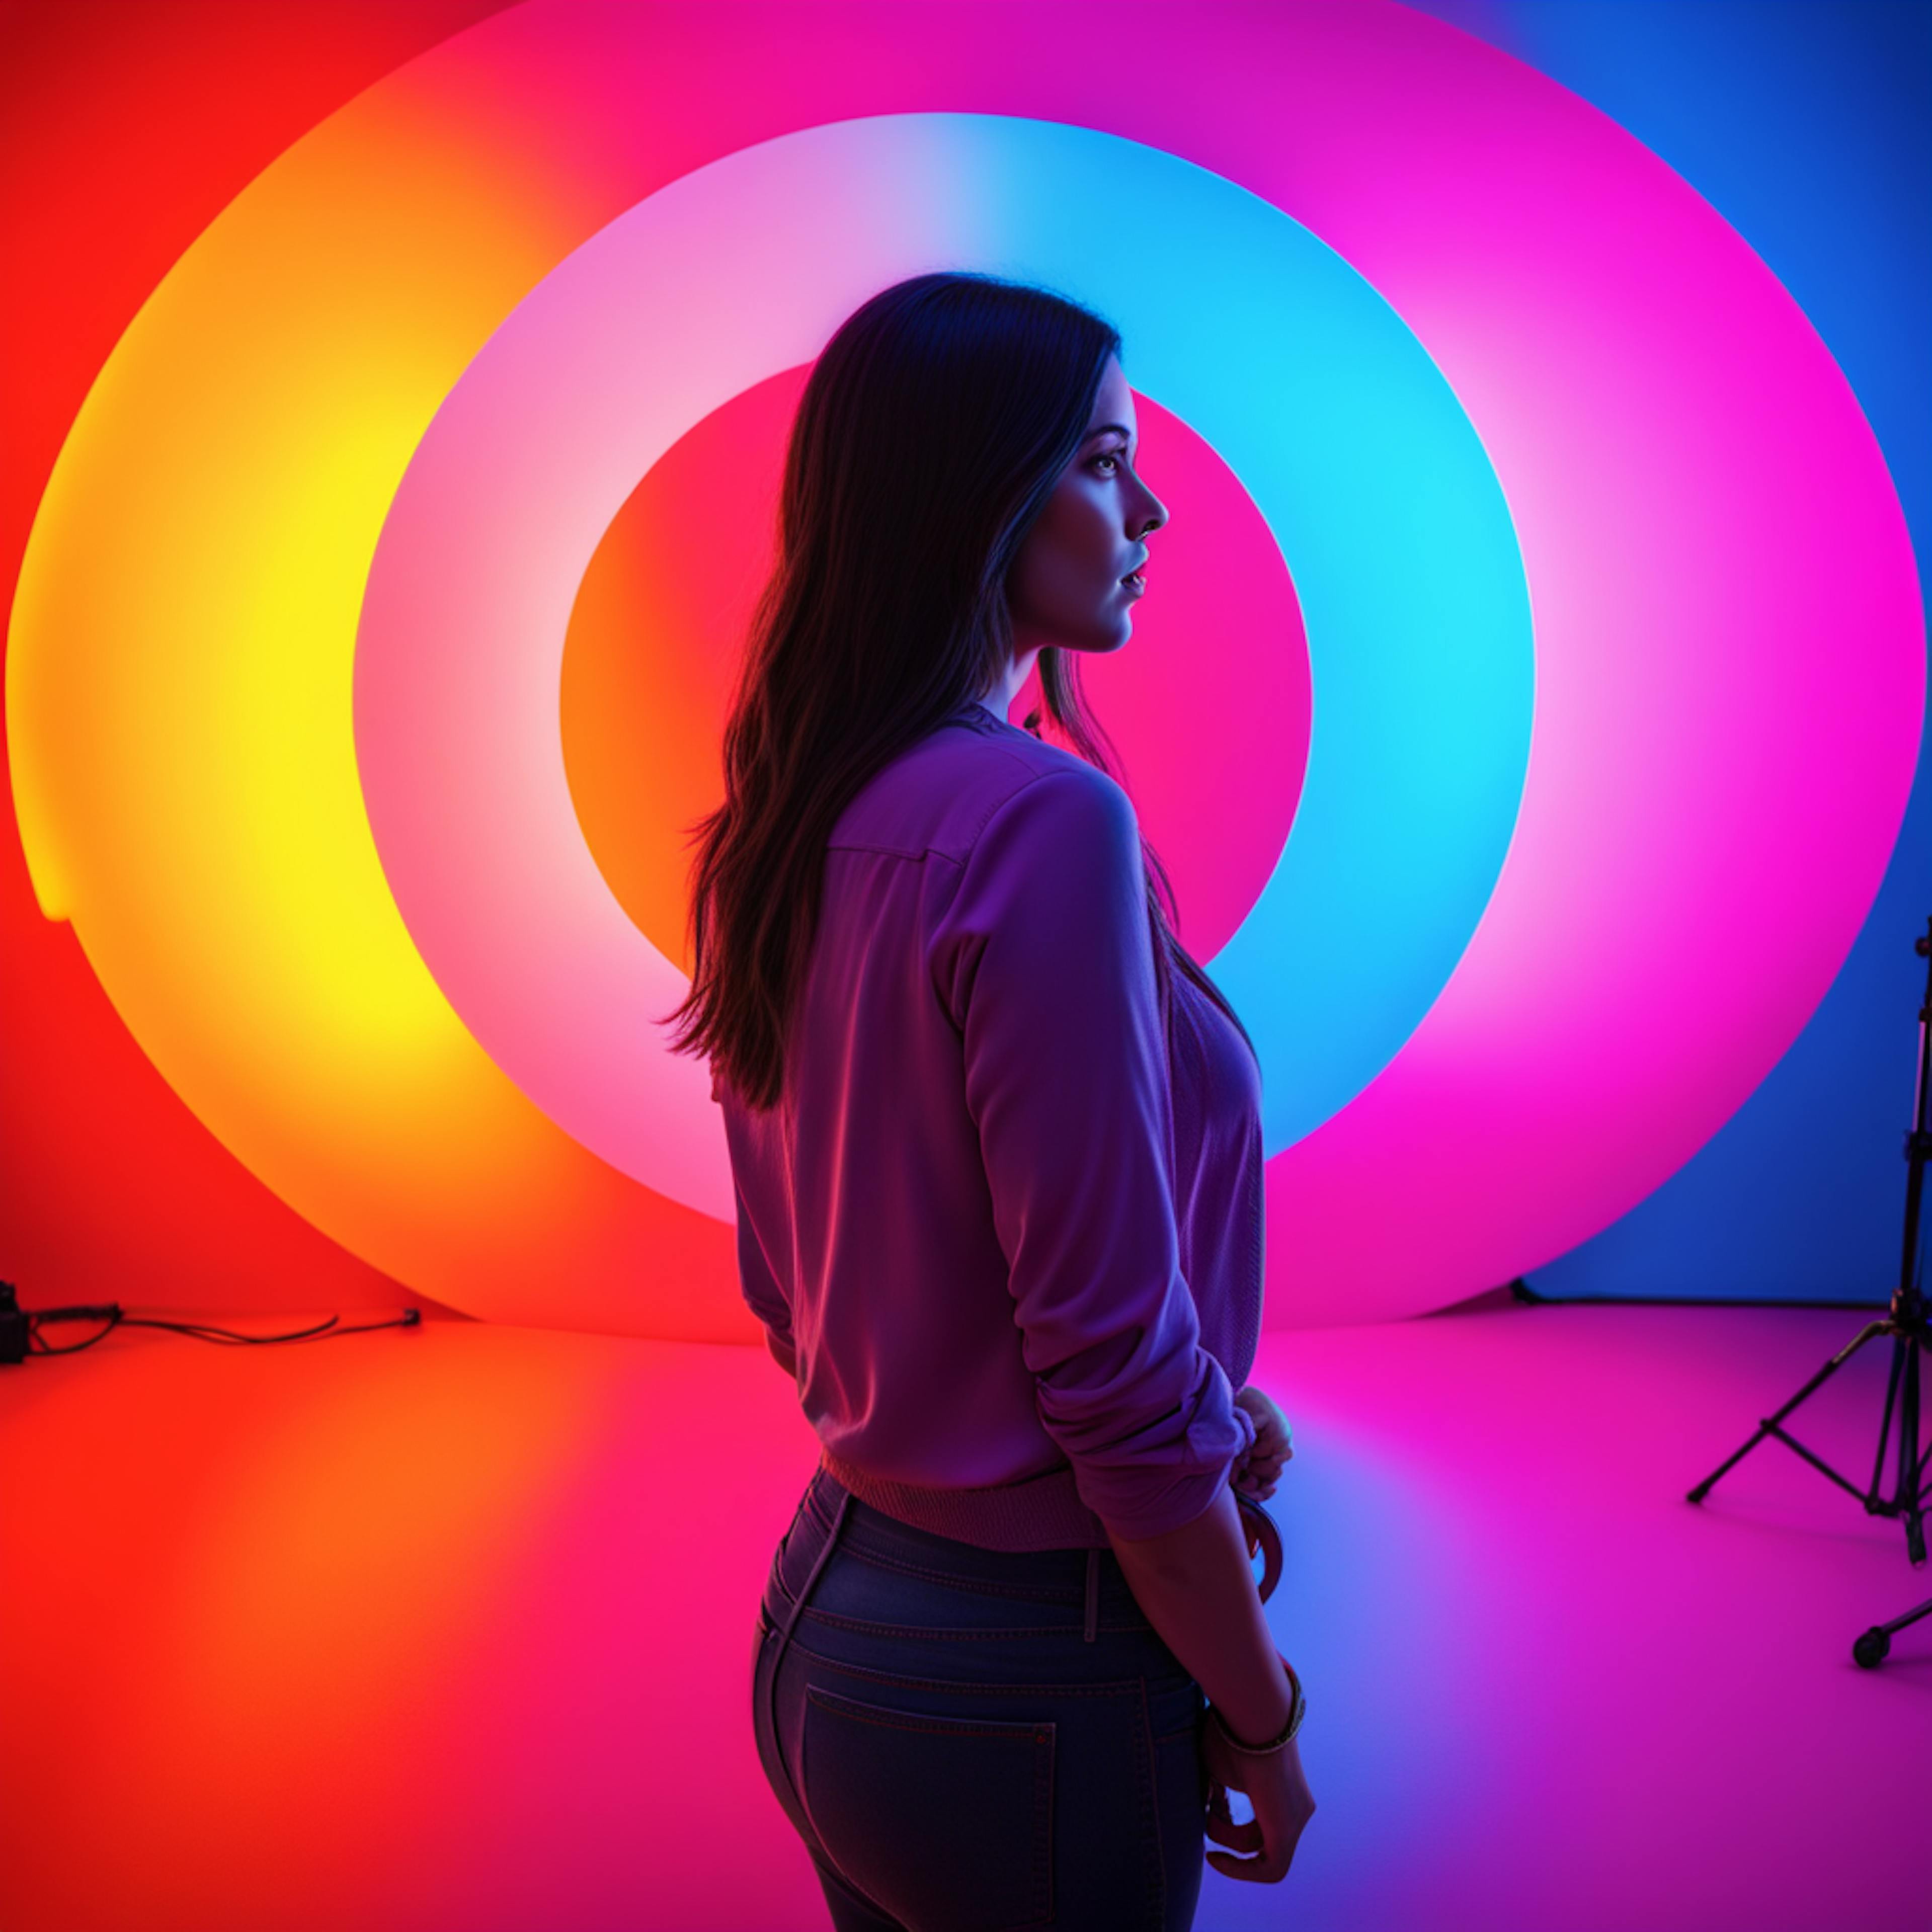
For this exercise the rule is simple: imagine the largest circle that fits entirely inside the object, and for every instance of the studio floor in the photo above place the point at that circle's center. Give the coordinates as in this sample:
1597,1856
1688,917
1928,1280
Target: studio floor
447,1630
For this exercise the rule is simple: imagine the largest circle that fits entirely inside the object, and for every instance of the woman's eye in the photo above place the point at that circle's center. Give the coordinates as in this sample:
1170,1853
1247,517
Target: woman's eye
1110,457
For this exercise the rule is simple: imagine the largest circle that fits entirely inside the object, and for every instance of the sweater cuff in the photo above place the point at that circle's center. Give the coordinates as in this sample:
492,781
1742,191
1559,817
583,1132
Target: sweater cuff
1184,1500
1187,1495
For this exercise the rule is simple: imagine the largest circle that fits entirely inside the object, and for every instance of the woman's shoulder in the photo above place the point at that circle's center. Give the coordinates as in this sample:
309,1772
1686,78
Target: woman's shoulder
940,794
1024,758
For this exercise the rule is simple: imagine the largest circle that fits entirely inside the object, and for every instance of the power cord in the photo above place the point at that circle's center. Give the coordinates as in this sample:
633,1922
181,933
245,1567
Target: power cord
20,1328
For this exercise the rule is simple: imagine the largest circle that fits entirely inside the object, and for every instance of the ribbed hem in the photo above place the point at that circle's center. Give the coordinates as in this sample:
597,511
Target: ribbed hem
1043,1512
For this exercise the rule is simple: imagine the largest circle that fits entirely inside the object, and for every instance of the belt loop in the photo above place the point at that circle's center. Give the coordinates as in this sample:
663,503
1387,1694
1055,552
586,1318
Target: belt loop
1093,1594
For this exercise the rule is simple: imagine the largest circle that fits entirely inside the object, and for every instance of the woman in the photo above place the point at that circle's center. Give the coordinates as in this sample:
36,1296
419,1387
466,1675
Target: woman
996,1140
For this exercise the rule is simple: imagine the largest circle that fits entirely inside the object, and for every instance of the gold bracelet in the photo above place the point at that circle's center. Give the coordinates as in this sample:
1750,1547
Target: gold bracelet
1297,1709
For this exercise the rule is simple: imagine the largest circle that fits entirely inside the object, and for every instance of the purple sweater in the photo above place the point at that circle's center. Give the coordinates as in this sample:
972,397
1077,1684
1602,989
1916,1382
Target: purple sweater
1006,1224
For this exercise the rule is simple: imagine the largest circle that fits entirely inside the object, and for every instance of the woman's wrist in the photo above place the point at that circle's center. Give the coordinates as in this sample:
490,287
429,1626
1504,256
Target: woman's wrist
1297,1709
1250,1718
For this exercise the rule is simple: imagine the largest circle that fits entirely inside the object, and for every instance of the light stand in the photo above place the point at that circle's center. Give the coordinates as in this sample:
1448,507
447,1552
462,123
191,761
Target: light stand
1905,1322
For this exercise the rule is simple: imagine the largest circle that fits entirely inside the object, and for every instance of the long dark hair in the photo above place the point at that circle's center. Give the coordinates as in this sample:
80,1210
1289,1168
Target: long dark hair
933,427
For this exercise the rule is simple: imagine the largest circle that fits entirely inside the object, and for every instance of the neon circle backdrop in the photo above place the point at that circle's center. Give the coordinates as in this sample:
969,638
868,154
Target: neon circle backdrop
1275,351
1728,632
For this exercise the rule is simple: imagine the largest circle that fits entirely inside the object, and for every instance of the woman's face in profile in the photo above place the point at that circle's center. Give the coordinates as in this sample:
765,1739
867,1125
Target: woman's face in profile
1072,583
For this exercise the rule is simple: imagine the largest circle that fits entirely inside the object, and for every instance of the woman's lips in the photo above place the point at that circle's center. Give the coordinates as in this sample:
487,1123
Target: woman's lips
1134,582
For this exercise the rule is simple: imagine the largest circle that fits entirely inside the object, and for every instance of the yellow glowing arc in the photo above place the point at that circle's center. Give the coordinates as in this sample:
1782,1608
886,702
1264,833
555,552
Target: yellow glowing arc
179,679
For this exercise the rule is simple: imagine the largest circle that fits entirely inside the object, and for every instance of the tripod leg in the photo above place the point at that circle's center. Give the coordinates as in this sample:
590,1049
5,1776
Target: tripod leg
1869,1649
1910,1462
1901,1347
1769,1425
1897,1623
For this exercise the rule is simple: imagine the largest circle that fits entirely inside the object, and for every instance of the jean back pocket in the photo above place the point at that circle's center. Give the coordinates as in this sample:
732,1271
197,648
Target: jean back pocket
945,1822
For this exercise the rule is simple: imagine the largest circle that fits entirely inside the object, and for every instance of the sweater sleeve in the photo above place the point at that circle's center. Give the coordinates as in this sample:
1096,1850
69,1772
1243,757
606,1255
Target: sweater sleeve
1044,958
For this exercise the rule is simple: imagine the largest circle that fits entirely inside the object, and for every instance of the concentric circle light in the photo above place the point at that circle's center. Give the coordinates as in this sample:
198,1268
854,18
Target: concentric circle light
1489,368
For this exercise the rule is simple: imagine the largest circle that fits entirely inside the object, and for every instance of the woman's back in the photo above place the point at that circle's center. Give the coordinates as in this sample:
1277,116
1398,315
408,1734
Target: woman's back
1008,1212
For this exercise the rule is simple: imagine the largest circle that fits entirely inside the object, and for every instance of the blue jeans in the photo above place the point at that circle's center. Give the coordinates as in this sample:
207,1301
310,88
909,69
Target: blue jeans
968,1739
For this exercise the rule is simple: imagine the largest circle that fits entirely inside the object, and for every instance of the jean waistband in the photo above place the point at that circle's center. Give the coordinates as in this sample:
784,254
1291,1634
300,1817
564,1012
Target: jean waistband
1042,1513
1088,1576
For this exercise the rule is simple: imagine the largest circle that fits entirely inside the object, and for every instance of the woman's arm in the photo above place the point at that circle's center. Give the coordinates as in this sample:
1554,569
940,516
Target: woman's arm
1196,1585
1043,958
1198,1592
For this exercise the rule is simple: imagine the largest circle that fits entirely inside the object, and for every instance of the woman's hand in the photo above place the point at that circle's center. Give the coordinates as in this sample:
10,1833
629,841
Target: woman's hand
1273,1448
1277,1788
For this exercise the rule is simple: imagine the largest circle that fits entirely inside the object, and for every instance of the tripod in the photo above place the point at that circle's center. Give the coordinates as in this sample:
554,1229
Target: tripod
1905,1321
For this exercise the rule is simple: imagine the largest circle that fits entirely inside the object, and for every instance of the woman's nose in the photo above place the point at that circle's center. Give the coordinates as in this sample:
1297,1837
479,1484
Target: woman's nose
1154,512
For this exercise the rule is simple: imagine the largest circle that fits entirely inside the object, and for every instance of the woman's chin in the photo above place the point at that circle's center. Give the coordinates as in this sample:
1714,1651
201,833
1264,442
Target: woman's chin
1104,638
